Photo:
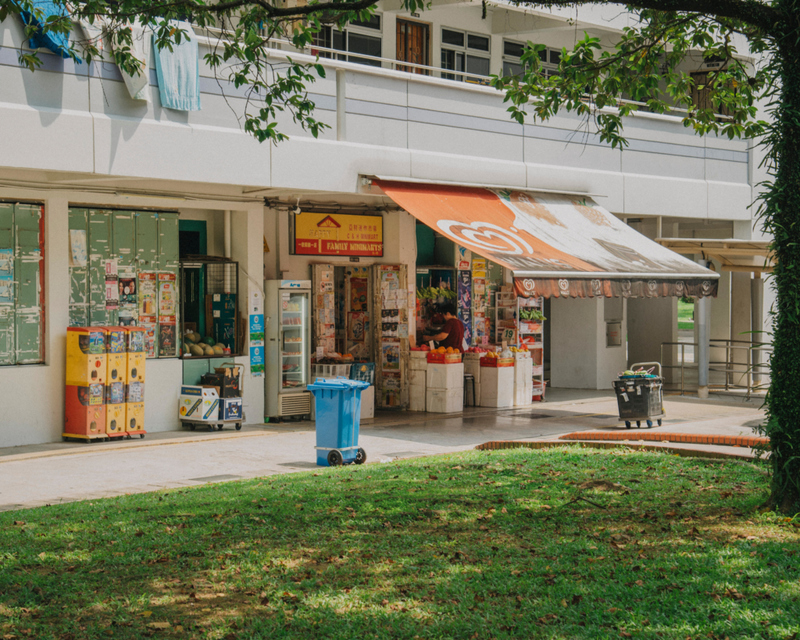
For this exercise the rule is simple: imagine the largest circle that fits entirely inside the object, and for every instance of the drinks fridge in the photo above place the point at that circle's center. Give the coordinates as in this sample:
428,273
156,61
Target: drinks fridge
288,348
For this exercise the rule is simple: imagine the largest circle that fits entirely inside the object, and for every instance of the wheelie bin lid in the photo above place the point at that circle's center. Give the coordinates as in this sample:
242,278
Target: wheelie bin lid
334,384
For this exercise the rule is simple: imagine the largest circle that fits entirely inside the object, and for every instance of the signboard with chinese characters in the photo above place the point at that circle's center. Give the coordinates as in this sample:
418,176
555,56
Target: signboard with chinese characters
334,234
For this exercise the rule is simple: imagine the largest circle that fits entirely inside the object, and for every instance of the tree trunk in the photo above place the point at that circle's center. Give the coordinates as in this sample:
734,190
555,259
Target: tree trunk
782,220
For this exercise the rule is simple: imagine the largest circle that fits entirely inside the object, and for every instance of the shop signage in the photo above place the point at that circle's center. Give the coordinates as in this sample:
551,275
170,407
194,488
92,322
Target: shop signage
333,234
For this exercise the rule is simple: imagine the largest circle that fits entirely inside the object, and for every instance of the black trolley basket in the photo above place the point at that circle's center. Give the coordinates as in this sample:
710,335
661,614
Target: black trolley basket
641,398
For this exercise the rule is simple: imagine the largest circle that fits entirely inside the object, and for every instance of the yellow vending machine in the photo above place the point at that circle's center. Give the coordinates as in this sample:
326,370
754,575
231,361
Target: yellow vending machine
116,378
134,390
85,410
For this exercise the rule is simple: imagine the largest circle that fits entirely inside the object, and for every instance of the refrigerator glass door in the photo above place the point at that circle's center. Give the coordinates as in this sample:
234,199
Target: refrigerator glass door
294,339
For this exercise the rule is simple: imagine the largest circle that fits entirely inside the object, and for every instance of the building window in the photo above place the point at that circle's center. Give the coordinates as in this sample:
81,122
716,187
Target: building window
124,271
549,59
467,53
21,283
362,38
701,93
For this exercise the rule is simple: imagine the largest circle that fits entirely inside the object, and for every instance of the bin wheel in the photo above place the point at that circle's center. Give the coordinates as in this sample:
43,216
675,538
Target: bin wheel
238,426
627,424
638,424
649,424
141,436
335,458
361,456
659,422
219,427
211,427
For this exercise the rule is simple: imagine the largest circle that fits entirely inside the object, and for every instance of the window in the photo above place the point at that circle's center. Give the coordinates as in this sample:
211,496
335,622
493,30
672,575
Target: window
512,64
701,93
360,37
21,283
124,271
465,52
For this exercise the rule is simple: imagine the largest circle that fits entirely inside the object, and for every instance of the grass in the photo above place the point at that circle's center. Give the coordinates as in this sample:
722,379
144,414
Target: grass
560,543
685,315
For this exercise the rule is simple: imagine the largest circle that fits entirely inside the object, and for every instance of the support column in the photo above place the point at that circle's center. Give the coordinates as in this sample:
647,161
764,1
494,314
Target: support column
757,322
740,327
341,104
702,317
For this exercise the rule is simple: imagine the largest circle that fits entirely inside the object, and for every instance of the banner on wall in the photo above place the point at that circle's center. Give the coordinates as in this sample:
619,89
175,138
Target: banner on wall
465,303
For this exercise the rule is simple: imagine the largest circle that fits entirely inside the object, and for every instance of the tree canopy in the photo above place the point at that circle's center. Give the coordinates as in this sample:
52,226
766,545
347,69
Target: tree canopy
645,69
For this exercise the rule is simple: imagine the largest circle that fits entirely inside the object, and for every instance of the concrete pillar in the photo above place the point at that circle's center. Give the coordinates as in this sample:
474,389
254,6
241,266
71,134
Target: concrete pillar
757,323
702,317
720,329
580,358
247,248
740,326
341,105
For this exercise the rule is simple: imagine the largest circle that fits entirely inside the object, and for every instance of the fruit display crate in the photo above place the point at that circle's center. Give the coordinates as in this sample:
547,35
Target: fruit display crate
496,363
443,358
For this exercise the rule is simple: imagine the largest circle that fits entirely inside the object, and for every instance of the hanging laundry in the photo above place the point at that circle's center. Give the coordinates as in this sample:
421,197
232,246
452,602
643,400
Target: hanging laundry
179,71
140,48
43,10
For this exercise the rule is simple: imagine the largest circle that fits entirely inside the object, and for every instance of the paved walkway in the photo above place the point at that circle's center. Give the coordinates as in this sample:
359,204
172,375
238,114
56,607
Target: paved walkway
63,472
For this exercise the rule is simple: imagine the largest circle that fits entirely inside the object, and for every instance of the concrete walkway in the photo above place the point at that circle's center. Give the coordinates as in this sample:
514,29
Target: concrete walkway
62,472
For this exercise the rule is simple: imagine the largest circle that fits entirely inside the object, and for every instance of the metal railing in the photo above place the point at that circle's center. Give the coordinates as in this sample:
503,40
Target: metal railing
750,375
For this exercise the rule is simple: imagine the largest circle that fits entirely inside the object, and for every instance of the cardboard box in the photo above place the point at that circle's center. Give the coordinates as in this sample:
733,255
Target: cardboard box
445,376
368,403
230,385
416,397
497,387
444,400
230,409
418,361
199,404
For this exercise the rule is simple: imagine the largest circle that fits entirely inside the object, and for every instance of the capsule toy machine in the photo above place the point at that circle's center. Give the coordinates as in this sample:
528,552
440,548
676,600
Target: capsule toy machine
116,378
84,409
134,388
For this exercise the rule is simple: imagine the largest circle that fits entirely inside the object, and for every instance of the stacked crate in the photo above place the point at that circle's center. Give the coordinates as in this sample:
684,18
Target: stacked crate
445,387
84,408
135,350
417,378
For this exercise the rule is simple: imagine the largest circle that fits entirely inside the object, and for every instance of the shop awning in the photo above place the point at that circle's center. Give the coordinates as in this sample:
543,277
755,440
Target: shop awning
556,245
753,256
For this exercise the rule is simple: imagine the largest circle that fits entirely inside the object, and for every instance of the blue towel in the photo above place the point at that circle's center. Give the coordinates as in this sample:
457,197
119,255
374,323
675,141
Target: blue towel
58,43
179,72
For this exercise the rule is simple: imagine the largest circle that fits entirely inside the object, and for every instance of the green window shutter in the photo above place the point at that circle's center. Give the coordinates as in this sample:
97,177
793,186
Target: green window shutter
28,264
168,242
147,240
7,289
99,252
79,276
124,245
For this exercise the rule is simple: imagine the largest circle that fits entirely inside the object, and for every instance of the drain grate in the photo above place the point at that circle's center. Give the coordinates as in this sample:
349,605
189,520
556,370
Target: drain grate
215,478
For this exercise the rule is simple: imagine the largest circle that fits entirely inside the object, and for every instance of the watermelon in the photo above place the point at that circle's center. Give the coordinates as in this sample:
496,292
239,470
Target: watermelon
209,341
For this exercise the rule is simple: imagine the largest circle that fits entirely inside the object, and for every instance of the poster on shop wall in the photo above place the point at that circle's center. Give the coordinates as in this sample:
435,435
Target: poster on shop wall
465,303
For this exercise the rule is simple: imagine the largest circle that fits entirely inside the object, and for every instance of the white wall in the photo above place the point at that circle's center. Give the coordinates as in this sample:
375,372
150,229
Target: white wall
579,358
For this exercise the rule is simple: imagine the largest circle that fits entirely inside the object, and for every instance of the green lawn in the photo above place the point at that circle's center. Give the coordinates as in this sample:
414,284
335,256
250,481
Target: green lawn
685,315
507,544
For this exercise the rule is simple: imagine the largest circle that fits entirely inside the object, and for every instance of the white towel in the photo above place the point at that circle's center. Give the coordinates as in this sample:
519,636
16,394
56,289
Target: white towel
141,47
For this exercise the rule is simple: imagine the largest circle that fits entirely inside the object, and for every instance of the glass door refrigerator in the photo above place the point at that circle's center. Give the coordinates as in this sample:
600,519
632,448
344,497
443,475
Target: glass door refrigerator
288,349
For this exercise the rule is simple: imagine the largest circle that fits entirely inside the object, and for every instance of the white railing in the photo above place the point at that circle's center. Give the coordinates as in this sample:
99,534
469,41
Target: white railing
407,70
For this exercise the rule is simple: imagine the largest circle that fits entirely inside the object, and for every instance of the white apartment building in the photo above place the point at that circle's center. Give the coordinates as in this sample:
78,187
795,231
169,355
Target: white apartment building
405,97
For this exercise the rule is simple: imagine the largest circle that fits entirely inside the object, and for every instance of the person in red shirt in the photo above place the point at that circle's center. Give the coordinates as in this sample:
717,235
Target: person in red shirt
452,333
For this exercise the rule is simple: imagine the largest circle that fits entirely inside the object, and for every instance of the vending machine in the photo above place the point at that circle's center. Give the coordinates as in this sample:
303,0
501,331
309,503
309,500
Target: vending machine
85,406
288,348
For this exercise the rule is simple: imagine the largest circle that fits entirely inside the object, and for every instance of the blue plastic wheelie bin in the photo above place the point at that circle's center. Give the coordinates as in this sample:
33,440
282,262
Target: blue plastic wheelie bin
338,415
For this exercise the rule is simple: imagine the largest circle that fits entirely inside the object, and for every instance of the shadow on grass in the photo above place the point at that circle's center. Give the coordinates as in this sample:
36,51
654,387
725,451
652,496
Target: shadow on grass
475,545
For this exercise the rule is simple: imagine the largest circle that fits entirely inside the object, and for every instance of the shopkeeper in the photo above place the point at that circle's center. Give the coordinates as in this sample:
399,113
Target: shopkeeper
452,333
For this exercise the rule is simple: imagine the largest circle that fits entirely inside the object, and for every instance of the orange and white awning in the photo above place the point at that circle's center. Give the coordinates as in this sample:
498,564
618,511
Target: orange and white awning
556,245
